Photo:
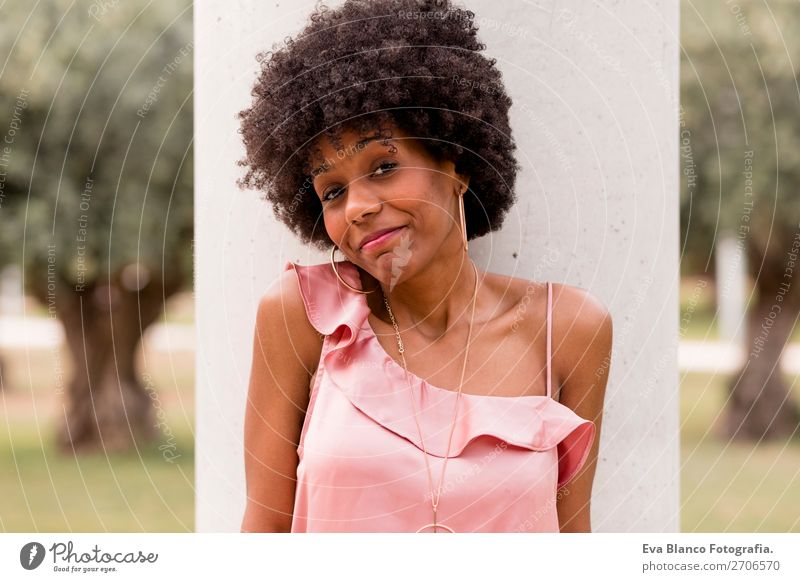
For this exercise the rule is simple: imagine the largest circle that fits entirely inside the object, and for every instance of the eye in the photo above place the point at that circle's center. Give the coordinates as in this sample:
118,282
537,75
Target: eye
381,170
326,196
384,168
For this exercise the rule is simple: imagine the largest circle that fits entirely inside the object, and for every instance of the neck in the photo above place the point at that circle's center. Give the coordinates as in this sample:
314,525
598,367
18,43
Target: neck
433,299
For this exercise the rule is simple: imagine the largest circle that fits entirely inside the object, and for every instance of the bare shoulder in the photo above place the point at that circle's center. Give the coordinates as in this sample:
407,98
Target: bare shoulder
575,310
582,338
282,320
582,343
579,313
516,295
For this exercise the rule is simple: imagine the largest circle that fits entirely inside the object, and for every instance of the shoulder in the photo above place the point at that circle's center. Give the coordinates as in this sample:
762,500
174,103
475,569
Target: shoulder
575,310
582,346
283,293
291,291
579,313
282,318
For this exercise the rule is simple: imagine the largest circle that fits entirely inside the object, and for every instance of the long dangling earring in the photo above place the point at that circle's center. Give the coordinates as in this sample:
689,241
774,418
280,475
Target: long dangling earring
463,220
333,266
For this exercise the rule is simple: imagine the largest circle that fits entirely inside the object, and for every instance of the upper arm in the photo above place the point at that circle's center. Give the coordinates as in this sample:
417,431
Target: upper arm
286,349
582,344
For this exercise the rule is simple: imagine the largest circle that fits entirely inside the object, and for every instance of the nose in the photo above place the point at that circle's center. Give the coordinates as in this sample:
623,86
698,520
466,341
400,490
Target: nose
361,201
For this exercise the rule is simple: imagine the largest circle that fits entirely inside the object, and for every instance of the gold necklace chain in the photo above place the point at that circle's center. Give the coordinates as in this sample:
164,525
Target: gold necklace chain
401,349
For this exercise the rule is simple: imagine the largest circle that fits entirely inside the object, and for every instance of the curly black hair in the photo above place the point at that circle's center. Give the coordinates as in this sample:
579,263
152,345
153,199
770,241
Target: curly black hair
368,66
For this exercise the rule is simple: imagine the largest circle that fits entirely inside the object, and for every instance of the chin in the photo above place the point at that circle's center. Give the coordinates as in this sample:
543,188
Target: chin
388,268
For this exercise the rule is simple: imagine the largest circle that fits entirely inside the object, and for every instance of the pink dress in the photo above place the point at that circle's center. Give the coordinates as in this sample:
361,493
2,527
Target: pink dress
361,462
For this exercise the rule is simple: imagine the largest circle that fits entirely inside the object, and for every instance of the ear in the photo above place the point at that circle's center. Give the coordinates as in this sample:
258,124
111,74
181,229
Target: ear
463,179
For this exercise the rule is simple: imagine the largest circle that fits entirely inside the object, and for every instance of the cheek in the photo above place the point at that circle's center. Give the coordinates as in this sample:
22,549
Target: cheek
428,189
419,201
434,200
335,225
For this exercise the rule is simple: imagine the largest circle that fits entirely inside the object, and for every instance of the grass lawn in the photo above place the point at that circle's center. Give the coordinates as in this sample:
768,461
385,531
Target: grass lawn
44,491
728,486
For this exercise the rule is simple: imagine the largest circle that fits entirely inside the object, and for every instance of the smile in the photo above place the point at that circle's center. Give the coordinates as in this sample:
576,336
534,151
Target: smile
376,243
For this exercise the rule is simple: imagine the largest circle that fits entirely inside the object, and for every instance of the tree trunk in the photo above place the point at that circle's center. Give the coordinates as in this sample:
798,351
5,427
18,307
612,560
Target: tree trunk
760,404
106,407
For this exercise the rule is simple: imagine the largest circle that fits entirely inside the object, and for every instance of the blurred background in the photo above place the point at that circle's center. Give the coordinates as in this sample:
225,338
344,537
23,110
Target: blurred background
740,276
96,305
96,227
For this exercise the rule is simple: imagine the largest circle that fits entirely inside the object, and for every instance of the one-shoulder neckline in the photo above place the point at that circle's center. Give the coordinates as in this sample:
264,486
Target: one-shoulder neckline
417,379
536,422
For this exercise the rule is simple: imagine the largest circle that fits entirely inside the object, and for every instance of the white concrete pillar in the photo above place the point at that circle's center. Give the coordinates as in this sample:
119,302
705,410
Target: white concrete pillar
596,122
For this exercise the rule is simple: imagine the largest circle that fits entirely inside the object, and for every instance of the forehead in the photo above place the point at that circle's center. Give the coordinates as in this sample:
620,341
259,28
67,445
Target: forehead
350,142
327,150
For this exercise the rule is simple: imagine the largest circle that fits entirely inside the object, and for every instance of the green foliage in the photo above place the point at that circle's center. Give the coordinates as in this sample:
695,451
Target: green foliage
739,94
100,98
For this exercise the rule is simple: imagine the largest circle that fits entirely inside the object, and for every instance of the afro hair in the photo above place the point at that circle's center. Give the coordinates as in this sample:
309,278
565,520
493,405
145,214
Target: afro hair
370,65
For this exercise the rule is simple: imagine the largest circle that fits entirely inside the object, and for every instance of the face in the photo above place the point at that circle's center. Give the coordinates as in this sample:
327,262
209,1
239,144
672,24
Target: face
368,186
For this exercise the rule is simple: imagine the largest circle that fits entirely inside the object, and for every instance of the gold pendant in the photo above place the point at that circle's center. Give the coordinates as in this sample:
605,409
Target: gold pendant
434,526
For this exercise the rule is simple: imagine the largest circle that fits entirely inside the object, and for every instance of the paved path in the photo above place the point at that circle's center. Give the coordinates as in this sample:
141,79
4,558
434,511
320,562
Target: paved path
698,356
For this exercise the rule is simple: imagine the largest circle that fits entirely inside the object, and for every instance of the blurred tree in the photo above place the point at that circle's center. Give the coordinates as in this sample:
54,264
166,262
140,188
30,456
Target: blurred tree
740,159
96,188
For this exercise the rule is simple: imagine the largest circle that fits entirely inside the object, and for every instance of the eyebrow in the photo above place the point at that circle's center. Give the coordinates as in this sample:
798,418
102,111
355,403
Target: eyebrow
323,170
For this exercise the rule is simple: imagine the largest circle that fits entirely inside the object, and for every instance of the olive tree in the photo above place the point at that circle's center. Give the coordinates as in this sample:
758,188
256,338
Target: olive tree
96,201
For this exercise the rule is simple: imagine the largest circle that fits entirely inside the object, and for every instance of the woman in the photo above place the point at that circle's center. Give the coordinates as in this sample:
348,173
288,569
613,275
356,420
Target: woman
400,388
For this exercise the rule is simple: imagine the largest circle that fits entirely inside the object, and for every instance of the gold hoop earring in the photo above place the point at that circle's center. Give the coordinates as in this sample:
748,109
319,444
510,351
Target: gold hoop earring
333,266
463,221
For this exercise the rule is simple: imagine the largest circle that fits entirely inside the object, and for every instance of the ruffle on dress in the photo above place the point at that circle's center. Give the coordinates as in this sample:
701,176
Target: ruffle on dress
376,385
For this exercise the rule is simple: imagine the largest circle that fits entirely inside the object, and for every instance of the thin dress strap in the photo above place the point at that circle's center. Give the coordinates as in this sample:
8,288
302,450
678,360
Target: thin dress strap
549,334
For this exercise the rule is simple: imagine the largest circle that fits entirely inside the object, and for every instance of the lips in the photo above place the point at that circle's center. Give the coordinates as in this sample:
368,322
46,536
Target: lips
375,238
